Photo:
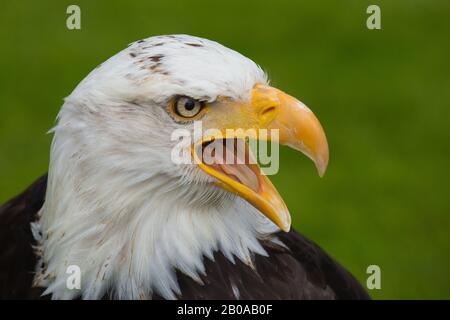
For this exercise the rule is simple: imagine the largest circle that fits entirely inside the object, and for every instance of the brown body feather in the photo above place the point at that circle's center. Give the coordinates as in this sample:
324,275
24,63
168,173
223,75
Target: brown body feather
302,270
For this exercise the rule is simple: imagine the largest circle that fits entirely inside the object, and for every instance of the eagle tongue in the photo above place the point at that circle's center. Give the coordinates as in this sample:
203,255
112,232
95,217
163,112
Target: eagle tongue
240,169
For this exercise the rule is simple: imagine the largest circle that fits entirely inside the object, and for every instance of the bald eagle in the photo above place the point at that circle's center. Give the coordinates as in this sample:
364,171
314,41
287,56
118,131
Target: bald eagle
139,226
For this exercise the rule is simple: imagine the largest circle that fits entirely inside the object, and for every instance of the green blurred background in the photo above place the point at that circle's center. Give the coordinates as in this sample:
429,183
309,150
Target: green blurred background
382,96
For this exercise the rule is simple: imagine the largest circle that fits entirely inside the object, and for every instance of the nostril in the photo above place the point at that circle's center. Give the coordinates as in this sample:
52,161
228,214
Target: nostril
268,112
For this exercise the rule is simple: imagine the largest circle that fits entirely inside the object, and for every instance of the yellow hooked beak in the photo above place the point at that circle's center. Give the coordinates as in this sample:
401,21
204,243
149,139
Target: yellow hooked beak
270,109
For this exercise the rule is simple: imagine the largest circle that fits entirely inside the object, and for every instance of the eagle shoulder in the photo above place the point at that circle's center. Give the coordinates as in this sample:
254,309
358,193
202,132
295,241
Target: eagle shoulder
17,257
298,269
322,269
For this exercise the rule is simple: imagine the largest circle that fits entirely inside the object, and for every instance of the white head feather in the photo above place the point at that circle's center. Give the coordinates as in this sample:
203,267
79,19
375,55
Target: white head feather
116,205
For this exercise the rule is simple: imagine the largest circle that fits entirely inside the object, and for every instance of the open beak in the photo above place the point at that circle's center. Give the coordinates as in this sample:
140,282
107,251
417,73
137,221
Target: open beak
270,109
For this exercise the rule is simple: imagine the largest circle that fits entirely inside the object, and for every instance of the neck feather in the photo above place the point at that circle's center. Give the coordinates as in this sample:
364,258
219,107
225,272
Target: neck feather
128,233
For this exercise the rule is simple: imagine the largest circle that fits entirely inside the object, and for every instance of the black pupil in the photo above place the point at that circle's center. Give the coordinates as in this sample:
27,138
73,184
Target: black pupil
189,105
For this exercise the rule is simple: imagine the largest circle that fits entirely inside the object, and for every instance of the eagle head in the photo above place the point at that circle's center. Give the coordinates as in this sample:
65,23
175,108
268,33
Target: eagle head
123,203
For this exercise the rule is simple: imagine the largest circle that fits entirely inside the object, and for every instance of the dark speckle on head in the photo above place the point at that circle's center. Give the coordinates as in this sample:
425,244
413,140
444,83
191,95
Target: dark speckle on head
155,66
194,44
141,41
132,54
156,58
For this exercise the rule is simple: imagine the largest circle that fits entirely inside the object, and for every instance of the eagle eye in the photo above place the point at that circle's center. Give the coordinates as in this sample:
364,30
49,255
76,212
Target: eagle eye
186,107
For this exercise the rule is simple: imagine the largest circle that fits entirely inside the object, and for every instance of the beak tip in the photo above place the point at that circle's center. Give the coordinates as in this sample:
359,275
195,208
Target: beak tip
321,165
321,171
